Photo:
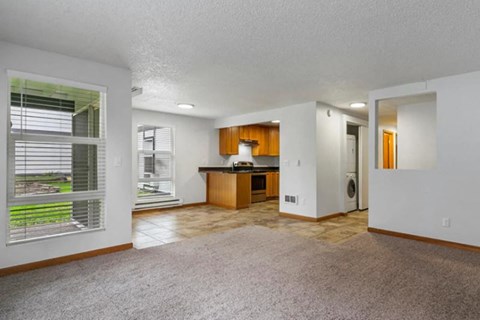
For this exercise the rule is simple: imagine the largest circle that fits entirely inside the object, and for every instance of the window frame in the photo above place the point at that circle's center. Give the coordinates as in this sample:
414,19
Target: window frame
100,142
153,153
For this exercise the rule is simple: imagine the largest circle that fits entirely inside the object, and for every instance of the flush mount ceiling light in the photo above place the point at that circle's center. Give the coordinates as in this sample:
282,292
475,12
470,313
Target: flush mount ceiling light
357,105
275,121
185,105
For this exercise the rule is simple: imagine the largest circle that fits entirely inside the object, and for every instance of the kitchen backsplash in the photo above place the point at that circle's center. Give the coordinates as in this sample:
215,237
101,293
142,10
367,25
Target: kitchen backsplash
245,154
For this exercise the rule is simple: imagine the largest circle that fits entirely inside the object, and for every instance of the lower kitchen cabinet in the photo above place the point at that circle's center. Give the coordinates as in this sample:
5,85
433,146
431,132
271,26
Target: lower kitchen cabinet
273,184
229,190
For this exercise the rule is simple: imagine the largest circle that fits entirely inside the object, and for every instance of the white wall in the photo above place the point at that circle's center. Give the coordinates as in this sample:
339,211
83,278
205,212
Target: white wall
196,144
330,187
363,154
415,201
417,136
118,214
297,143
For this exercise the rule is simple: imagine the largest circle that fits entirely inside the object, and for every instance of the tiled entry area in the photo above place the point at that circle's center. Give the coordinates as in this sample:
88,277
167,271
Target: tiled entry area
153,229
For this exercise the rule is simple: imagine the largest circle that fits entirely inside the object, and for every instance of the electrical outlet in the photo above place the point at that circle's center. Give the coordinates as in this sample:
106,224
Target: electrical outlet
446,222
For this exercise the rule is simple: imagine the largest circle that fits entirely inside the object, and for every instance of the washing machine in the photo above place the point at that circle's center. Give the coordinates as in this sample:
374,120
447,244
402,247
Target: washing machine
351,153
351,192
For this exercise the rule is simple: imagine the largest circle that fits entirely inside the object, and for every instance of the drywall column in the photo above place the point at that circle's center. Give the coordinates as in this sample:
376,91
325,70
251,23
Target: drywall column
330,181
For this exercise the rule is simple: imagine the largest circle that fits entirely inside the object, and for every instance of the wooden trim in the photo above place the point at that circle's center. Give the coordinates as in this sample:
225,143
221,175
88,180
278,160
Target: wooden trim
228,207
273,198
443,243
311,219
331,216
155,210
64,259
296,216
207,183
225,206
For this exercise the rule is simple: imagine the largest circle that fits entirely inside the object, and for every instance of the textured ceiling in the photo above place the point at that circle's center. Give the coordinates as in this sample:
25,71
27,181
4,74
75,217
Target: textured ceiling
230,57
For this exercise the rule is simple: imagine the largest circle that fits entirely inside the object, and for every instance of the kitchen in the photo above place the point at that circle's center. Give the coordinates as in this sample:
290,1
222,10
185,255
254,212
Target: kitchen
252,171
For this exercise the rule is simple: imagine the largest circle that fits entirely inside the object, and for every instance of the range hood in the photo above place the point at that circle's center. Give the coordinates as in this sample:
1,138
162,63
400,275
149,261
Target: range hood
249,142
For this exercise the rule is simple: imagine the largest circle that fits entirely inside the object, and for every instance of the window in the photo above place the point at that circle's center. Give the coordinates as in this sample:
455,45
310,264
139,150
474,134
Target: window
155,161
56,158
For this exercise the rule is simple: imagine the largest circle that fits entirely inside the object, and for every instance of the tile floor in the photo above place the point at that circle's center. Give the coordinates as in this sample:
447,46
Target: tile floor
153,229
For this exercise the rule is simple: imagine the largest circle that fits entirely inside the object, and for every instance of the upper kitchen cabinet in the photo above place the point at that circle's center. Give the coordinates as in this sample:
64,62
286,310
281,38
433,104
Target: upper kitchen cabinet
261,135
245,132
229,139
266,140
274,141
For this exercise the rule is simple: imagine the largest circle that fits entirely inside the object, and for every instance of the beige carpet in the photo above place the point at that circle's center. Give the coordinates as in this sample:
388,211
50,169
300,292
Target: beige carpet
255,273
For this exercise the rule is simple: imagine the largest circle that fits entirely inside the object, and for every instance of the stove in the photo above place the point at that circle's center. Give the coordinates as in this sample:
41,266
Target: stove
259,180
242,166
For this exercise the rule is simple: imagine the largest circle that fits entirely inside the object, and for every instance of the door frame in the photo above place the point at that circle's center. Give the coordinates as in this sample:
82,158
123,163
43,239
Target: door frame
362,170
394,137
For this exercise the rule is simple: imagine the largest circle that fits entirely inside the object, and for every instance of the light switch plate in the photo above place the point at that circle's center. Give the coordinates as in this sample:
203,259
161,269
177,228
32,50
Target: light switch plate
446,222
117,161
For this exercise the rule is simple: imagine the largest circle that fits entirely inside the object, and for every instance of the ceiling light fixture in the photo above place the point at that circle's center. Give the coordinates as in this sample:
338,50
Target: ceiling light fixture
357,105
185,105
275,121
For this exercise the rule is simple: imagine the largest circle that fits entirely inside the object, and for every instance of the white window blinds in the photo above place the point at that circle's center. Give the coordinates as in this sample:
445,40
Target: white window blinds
56,160
155,161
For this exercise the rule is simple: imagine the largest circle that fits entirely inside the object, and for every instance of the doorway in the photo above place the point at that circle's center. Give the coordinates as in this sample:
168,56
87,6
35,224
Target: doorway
358,128
388,150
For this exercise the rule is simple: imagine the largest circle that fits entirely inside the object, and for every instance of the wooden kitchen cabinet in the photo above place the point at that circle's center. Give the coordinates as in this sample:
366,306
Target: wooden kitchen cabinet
276,184
245,132
269,191
228,141
267,138
274,141
261,135
229,190
273,184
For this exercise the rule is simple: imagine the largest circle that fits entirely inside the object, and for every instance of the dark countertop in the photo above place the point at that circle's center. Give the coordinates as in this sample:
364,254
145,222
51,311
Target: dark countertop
229,169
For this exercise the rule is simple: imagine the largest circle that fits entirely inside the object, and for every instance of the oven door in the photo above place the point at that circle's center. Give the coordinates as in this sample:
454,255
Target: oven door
259,182
259,187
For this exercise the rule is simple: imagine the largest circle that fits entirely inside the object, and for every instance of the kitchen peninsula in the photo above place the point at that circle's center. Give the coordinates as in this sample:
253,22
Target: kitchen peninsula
238,186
